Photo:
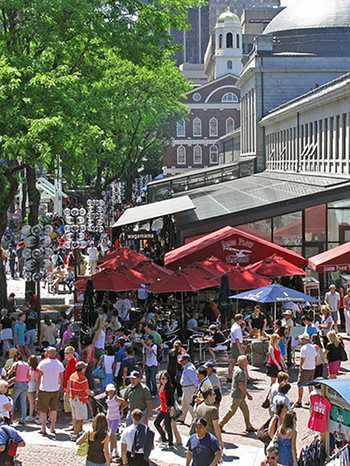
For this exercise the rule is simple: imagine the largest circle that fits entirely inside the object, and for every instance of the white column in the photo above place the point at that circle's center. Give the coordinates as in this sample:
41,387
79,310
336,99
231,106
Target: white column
347,144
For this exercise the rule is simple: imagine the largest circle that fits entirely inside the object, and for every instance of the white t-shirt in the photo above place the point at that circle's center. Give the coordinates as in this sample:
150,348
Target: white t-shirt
151,357
92,253
236,333
327,321
128,436
280,398
333,300
4,401
308,352
51,369
123,306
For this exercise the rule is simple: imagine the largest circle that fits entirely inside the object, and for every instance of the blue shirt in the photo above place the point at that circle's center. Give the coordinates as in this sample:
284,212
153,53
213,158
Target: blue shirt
189,375
20,330
203,450
310,329
120,356
14,435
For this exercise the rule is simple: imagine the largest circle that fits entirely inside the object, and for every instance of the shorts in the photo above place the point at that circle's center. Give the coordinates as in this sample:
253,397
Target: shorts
272,370
234,351
306,376
79,410
333,367
220,348
30,337
98,353
66,403
48,400
113,425
335,316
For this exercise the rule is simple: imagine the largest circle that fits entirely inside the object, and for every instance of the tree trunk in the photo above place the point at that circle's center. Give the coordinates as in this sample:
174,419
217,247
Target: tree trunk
9,186
34,203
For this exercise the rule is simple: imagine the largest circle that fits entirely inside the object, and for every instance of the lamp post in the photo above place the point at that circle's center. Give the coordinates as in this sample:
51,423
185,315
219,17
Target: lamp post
37,255
75,232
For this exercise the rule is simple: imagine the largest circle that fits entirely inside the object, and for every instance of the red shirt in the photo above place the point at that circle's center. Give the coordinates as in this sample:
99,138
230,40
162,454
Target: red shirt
70,369
84,354
78,384
277,354
162,399
320,406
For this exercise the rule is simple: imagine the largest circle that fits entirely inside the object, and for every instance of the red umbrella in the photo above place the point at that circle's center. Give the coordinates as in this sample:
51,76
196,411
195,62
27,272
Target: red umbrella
125,256
121,280
242,279
275,266
152,272
216,264
181,281
202,271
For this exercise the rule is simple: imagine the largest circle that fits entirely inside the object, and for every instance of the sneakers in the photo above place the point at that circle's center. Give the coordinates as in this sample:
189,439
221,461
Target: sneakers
29,419
21,423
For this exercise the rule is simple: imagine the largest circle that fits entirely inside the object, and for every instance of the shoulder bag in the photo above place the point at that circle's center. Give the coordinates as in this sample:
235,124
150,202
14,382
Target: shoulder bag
83,448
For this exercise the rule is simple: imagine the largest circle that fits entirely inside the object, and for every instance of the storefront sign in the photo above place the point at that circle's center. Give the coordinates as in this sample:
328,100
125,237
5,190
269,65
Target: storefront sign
140,235
336,268
240,248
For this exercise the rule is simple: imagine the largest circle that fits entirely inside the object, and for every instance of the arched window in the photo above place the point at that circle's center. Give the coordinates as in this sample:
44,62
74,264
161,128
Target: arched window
229,64
230,125
229,40
229,97
220,41
180,128
197,155
237,41
213,127
214,155
197,127
181,155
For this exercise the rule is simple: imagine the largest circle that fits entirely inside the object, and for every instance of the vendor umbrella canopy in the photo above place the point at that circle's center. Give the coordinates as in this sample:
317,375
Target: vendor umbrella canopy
214,263
181,281
125,256
242,279
151,271
199,269
274,294
335,260
275,266
123,280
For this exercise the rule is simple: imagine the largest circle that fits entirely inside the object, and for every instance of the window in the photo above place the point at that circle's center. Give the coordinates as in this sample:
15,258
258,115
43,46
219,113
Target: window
220,41
237,41
229,40
181,155
214,155
229,65
230,125
180,128
197,127
197,155
229,97
213,127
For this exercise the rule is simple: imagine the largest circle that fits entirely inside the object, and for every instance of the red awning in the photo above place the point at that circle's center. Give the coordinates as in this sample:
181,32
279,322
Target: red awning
334,260
275,266
112,281
231,246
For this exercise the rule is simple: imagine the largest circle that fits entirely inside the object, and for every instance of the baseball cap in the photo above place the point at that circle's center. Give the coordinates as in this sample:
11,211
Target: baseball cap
288,313
110,386
305,336
209,364
135,375
184,357
201,422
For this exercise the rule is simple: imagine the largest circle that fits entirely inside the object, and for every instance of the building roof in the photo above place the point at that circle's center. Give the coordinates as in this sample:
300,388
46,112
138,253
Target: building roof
229,17
311,14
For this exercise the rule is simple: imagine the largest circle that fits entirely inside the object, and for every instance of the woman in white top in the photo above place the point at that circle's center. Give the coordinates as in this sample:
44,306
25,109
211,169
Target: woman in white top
99,339
6,404
326,323
107,359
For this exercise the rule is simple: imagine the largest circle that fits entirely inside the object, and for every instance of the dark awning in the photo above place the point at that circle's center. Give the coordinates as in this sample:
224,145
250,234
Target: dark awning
159,209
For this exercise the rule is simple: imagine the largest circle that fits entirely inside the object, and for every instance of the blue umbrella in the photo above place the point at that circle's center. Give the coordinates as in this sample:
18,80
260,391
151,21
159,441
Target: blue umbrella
224,295
274,294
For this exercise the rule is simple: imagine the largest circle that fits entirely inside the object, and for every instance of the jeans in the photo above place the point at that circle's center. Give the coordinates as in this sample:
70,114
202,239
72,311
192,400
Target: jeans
151,373
167,425
91,463
20,390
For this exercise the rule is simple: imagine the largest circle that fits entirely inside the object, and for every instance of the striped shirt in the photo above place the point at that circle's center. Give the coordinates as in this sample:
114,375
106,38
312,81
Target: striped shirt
78,385
113,412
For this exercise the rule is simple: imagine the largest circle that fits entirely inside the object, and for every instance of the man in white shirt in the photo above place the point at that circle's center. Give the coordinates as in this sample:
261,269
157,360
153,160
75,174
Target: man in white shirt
236,343
150,362
123,306
134,452
332,298
93,256
308,356
50,381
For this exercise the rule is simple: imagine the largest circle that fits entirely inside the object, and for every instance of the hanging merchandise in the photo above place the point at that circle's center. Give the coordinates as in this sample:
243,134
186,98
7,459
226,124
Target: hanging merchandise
320,406
313,455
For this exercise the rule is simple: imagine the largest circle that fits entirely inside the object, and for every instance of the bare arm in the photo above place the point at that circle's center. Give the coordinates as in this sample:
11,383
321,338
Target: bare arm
244,390
217,458
272,427
81,439
106,450
124,457
38,380
217,431
188,458
294,447
61,380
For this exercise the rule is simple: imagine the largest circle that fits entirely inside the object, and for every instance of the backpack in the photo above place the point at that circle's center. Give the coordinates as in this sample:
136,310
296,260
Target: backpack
159,354
8,455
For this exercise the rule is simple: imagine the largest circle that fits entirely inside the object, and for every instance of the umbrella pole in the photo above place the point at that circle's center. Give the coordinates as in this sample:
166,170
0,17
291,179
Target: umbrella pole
275,311
182,311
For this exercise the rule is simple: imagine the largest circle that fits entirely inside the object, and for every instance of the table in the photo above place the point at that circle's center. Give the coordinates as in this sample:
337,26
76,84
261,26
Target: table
202,344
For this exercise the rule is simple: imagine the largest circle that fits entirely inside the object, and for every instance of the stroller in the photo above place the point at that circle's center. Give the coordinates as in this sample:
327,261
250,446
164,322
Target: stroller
98,404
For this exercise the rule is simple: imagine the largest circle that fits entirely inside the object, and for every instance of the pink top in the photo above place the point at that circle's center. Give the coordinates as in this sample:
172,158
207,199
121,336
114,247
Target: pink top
320,406
113,412
22,369
277,354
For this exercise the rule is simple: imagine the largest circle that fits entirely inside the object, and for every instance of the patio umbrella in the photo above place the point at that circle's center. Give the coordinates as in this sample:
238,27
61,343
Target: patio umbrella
274,294
243,279
151,271
199,269
122,280
181,281
216,264
123,255
275,266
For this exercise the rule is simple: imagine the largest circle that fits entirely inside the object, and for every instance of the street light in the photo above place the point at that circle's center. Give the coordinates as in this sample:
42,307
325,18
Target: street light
37,255
75,232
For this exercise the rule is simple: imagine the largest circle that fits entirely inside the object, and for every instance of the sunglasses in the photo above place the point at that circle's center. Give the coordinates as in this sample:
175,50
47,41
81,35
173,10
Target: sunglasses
271,457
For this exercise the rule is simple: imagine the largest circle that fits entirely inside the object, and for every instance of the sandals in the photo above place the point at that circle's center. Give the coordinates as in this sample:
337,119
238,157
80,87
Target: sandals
297,405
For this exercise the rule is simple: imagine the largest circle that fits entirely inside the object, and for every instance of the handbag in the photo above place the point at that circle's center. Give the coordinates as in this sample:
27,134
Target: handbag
266,403
83,448
343,354
177,412
99,372
263,434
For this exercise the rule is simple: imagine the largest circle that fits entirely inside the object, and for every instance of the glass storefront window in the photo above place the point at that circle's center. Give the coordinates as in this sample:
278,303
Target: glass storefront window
344,203
315,224
287,229
261,229
339,225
